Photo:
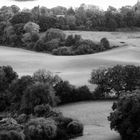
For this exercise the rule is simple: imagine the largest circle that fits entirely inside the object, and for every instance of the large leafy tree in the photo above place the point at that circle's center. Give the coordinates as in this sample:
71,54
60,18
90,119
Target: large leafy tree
6,13
46,22
15,9
21,17
7,75
117,79
37,94
30,27
125,116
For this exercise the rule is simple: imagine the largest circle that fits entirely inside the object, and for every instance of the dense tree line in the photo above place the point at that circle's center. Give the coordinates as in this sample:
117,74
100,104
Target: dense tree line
85,17
21,28
22,94
18,33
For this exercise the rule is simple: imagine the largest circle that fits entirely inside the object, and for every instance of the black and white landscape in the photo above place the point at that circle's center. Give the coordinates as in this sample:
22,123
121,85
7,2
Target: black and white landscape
69,71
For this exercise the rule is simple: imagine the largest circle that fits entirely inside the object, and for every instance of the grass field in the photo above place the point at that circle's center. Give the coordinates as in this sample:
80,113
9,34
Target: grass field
76,69
94,117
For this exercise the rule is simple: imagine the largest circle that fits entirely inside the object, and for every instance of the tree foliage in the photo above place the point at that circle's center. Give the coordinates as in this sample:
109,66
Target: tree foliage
117,79
125,116
31,27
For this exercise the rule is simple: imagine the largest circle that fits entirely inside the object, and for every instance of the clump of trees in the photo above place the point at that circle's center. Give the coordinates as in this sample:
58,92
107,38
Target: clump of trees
20,28
23,94
115,80
29,101
23,32
125,116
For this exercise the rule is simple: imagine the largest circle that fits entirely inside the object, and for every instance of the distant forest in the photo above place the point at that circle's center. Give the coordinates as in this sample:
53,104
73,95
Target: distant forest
84,17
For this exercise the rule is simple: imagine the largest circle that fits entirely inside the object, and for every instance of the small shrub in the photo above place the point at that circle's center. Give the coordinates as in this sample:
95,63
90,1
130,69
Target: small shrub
39,46
72,40
11,135
35,36
104,44
15,135
62,51
42,110
41,128
75,128
52,44
54,34
84,49
22,119
8,124
62,122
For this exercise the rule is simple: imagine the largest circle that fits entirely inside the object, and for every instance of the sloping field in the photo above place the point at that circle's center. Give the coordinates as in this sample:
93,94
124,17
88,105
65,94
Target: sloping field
76,69
94,117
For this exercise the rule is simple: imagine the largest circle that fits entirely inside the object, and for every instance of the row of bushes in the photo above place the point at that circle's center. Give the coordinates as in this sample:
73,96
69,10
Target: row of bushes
45,123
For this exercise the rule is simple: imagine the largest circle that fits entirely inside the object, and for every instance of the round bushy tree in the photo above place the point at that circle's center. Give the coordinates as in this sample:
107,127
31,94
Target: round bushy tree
104,44
37,94
7,76
11,135
41,128
75,128
125,116
21,17
30,27
42,110
54,34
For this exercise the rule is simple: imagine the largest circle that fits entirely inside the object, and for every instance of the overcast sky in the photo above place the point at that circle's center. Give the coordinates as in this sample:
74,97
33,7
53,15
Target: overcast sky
103,4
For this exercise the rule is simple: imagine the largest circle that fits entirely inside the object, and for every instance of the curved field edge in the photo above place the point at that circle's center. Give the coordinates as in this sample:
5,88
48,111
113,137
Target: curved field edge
94,117
76,69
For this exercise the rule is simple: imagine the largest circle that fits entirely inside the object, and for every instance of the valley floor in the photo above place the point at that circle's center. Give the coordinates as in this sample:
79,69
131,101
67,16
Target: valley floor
94,117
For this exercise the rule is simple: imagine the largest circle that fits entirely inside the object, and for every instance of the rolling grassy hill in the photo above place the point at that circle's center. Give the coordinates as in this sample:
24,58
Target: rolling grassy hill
76,69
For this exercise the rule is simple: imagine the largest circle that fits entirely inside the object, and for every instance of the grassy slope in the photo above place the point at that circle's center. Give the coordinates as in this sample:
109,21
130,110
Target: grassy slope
94,117
76,69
